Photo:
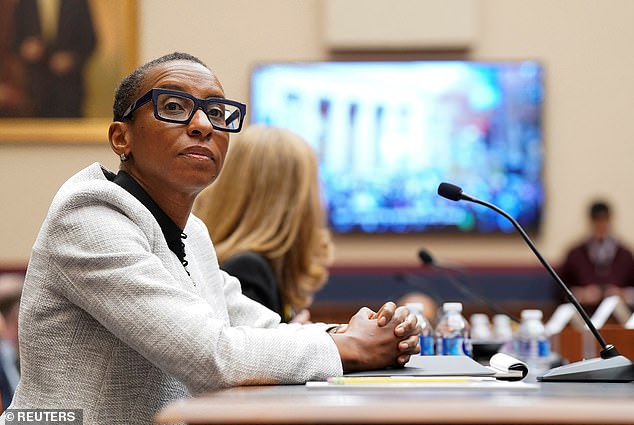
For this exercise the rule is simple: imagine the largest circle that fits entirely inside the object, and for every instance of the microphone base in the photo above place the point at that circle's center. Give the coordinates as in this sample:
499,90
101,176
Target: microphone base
614,369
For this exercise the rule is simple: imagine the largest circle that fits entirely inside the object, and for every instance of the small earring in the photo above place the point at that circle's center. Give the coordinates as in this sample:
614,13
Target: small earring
123,157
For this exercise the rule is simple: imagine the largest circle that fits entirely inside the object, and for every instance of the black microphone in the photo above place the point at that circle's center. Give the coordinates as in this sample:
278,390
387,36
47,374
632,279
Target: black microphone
610,366
427,260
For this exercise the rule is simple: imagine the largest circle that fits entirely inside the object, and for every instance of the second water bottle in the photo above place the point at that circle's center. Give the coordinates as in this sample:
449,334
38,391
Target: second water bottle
453,332
426,335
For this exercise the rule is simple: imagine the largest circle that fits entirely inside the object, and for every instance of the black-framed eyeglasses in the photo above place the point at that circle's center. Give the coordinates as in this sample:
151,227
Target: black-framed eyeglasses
179,107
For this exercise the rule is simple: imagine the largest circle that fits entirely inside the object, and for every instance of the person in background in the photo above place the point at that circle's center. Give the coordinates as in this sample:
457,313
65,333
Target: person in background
124,306
430,306
265,216
10,292
600,265
53,40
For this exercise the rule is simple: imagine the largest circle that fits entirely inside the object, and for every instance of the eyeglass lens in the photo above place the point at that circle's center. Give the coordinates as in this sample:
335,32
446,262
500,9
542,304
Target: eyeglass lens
174,107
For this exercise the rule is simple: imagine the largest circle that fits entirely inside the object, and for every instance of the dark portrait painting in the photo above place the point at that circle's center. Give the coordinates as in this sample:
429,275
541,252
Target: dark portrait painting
63,58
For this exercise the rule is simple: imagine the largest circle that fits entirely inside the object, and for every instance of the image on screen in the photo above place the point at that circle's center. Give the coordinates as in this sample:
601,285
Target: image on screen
387,133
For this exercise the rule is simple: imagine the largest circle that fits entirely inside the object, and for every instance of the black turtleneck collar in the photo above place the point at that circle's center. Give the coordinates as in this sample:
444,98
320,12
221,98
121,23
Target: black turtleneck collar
172,233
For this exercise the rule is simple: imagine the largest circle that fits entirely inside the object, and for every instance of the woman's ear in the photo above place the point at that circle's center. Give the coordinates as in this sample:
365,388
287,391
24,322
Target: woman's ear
118,138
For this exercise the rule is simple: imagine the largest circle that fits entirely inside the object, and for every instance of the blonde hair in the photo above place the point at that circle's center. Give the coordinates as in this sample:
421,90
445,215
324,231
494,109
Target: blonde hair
267,200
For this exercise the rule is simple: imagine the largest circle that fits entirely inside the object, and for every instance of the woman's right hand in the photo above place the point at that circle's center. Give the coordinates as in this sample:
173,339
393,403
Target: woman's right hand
365,345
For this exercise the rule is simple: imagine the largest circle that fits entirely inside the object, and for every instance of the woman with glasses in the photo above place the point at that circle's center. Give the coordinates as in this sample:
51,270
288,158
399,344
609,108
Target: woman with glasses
124,306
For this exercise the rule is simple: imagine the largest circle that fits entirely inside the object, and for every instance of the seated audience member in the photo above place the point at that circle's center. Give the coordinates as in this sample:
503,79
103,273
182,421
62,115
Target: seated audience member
600,265
265,217
10,291
124,306
430,306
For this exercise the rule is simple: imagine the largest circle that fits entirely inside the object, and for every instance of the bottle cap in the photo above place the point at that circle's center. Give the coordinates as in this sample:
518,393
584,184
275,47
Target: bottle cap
501,319
532,314
479,319
452,307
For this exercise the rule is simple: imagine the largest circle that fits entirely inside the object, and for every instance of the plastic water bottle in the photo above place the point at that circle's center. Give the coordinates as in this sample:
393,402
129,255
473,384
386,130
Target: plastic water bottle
503,333
532,342
426,335
453,336
502,330
480,328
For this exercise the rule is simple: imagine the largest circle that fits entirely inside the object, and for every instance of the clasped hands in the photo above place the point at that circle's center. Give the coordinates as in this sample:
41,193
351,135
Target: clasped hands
376,340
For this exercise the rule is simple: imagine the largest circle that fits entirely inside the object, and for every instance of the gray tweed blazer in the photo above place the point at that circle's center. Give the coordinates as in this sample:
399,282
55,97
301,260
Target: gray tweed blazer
111,323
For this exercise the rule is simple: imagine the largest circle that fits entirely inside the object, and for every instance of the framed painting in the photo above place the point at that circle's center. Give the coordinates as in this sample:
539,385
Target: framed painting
60,65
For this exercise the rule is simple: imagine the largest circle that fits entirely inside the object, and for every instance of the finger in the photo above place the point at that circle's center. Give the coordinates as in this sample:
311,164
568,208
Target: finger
409,326
386,312
402,359
401,314
410,345
366,313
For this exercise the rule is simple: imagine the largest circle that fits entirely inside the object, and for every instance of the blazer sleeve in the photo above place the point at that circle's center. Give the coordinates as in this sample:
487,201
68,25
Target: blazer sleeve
123,276
256,279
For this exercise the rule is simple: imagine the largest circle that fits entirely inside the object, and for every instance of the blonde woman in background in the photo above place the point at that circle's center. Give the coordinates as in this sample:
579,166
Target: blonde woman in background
265,216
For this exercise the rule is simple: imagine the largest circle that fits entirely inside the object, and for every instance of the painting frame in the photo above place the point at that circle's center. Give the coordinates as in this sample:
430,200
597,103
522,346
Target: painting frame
120,39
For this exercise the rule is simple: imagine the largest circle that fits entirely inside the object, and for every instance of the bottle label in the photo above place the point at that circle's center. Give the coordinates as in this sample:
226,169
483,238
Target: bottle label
526,349
467,347
534,348
426,345
543,347
453,346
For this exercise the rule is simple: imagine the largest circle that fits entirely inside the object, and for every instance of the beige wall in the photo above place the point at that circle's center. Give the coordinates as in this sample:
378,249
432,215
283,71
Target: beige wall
585,46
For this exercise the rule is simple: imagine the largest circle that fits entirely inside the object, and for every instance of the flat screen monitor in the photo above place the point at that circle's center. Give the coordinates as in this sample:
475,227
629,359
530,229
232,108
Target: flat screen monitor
387,133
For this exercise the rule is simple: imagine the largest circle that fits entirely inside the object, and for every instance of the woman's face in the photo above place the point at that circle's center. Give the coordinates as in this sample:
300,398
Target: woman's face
179,158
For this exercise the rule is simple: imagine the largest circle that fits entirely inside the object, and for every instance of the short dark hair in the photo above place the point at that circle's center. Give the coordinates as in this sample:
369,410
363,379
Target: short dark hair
128,88
599,209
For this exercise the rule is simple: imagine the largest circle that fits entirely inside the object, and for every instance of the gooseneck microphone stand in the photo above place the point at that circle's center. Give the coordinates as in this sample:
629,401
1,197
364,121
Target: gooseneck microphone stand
610,366
428,261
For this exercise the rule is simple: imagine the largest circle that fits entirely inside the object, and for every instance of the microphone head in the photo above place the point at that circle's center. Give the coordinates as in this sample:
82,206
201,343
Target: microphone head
425,257
450,191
